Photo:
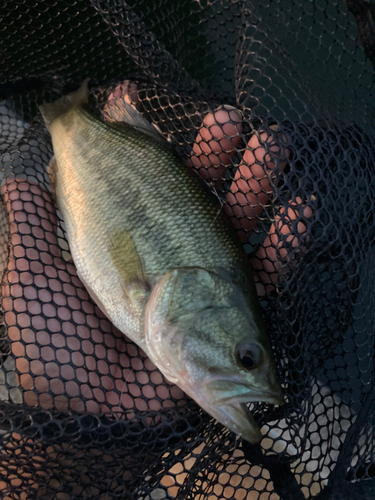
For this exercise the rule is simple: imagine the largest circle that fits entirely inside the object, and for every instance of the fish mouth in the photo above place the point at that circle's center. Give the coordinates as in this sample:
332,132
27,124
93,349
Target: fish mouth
232,411
238,418
255,396
248,394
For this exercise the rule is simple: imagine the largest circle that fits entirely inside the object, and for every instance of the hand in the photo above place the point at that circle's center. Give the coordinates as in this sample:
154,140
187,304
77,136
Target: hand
67,354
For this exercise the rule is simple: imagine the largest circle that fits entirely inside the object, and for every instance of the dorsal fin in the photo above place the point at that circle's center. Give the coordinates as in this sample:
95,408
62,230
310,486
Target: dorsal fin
126,113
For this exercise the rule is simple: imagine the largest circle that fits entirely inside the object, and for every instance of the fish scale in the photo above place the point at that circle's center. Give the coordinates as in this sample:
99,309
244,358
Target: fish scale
160,259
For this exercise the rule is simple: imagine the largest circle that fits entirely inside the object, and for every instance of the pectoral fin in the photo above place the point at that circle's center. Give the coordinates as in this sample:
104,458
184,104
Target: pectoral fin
128,263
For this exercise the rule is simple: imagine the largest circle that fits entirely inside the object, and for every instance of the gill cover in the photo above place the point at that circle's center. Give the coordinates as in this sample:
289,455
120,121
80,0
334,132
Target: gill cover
177,298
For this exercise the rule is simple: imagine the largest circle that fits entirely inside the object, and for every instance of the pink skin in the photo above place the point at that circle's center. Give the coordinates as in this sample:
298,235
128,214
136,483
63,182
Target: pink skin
68,355
251,188
267,263
249,192
216,144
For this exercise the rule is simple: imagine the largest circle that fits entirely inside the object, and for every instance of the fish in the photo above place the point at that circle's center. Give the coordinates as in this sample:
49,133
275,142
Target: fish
159,259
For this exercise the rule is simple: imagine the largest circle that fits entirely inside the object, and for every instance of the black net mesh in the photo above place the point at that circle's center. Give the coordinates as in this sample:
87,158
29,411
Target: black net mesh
84,414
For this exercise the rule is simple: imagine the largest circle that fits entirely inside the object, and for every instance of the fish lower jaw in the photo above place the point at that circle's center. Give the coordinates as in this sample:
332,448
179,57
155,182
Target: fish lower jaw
241,421
234,415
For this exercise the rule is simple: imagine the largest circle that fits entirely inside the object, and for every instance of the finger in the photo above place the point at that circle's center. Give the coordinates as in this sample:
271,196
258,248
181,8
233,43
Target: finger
216,143
67,354
127,90
261,156
287,236
251,188
244,205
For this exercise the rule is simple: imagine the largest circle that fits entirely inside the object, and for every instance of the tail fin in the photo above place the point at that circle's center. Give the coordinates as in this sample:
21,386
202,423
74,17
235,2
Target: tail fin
54,110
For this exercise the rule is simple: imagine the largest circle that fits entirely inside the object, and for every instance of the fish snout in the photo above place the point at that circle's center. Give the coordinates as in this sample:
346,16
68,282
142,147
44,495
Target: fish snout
226,398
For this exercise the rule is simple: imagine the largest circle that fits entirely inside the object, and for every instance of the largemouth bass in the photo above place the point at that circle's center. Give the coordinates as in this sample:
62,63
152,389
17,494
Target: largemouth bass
160,261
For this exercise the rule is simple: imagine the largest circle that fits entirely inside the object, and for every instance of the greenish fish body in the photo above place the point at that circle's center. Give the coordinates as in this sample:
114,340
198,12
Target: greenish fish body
160,261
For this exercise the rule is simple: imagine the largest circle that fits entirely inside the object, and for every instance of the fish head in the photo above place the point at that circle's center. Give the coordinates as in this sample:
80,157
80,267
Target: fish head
202,333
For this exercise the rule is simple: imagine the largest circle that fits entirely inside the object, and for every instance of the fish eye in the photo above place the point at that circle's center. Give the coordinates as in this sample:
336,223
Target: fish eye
248,356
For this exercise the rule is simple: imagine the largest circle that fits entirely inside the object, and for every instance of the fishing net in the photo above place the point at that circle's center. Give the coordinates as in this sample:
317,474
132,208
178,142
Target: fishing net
84,414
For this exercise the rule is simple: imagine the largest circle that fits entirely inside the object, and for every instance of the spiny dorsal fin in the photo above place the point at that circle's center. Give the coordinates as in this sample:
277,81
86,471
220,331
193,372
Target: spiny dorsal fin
54,110
126,113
